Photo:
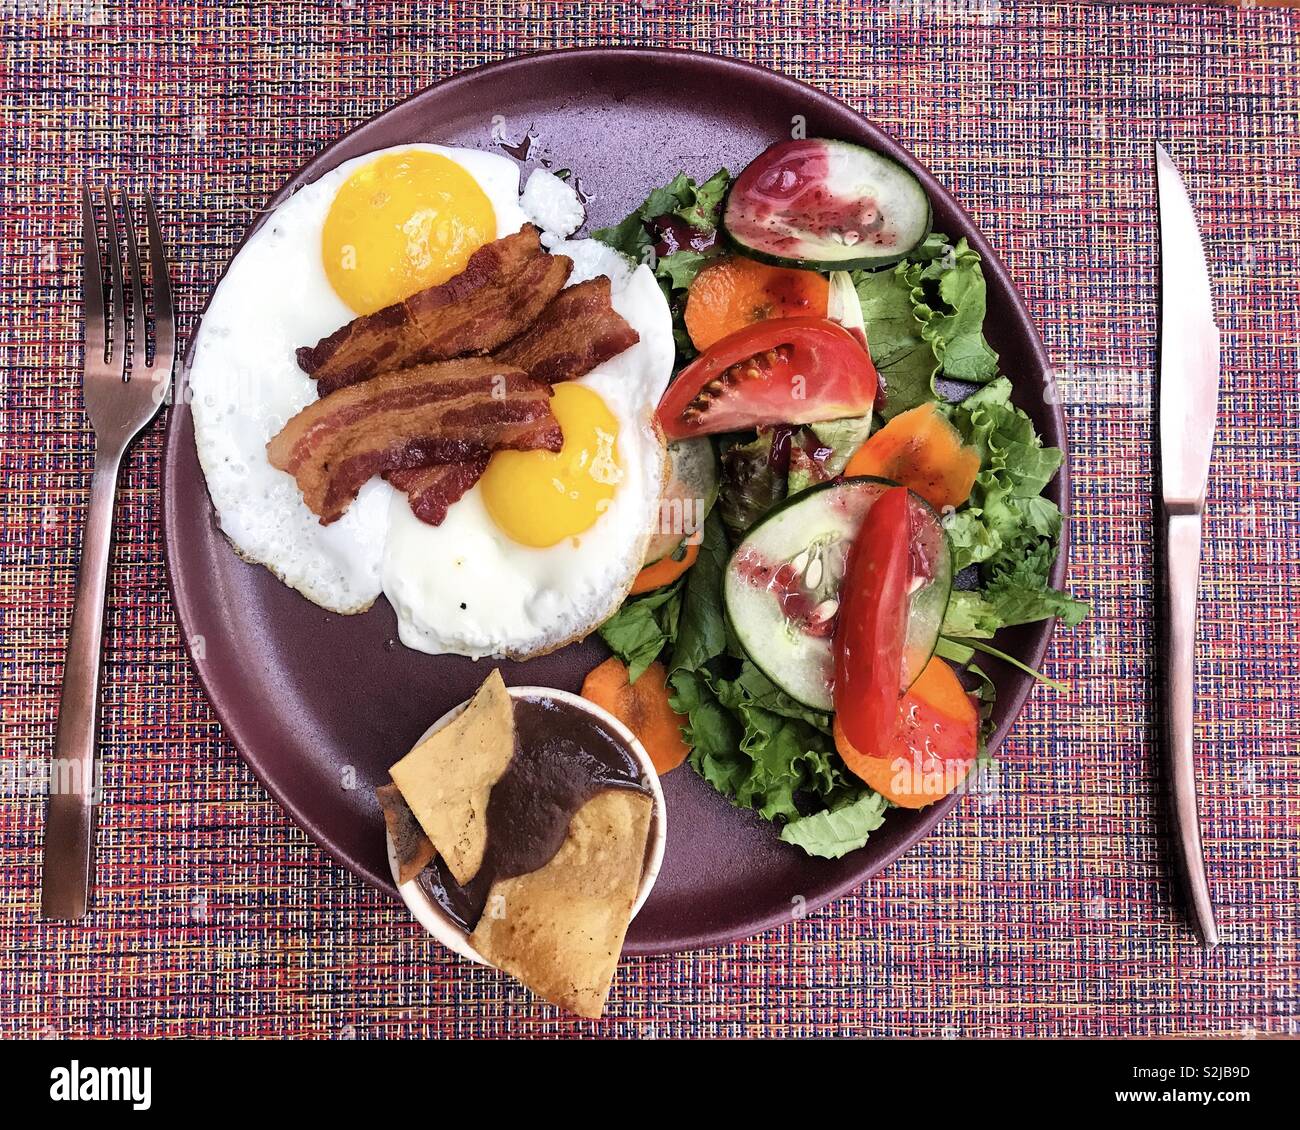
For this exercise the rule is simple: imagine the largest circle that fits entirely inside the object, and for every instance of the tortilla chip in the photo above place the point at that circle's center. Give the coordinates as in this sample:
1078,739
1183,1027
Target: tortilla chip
448,777
412,846
560,929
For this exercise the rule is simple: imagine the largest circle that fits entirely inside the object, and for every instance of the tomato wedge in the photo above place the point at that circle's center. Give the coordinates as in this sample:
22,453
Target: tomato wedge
871,627
782,371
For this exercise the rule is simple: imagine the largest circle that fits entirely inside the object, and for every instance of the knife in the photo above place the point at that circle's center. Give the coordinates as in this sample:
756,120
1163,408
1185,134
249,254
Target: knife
1189,397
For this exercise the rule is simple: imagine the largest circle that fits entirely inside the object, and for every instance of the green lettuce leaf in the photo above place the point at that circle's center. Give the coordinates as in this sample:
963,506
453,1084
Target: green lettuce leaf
835,832
949,299
1005,438
701,631
972,539
640,630
696,204
905,360
630,237
1007,527
776,748
1006,517
701,211
751,688
980,613
679,269
755,745
785,748
711,730
672,198
925,317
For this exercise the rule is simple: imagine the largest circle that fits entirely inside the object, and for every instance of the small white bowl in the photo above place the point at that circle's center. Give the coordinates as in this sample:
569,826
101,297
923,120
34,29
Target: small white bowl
432,917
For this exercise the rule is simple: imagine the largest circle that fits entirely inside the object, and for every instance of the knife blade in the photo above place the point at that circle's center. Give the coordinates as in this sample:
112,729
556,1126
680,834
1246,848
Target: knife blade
1189,395
1189,345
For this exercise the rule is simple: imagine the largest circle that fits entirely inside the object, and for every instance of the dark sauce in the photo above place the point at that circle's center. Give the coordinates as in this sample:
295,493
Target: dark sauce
563,757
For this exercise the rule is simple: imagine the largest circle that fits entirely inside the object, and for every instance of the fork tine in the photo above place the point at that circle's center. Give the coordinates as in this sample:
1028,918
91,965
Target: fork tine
117,343
92,282
164,317
139,327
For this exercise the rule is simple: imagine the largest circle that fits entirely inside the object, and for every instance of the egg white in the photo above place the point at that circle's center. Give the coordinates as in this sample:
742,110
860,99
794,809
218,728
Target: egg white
465,587
244,384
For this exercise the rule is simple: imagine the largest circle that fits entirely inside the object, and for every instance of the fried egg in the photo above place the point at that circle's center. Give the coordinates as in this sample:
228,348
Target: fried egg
546,545
279,293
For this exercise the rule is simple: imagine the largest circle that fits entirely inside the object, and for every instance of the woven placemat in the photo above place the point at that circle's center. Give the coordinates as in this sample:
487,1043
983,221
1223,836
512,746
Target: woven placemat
1045,909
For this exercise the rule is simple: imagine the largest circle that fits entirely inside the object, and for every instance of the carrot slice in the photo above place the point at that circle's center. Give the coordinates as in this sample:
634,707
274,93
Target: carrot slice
939,687
936,746
643,707
922,450
664,571
734,292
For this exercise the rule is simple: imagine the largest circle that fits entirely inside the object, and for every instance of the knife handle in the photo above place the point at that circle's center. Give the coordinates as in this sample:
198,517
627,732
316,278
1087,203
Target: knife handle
1183,566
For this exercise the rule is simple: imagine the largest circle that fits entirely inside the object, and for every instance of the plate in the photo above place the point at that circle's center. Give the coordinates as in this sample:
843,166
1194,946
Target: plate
320,705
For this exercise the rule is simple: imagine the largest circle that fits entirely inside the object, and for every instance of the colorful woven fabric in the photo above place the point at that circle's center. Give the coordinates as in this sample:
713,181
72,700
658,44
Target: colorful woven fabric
1043,910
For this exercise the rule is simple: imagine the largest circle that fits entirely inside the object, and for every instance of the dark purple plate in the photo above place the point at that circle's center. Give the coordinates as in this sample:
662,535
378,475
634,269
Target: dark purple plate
320,705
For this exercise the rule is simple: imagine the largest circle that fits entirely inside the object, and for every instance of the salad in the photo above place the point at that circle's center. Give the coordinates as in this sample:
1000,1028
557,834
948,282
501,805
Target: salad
855,506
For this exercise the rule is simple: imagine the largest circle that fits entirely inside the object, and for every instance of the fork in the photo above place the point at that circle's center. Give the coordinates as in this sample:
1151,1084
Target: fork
121,399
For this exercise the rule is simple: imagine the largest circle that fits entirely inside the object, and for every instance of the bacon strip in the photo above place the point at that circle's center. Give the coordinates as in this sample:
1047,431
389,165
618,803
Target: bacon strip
432,490
450,412
499,294
578,330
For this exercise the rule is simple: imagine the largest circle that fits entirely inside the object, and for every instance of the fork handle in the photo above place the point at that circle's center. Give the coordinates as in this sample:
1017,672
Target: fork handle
1183,563
74,785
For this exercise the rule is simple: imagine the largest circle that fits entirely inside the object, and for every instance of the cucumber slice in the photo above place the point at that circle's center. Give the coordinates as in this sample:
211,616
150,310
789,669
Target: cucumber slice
826,205
689,495
782,585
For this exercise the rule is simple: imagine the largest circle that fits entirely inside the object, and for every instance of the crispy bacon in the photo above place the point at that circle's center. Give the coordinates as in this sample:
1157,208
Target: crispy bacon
432,490
499,294
449,412
577,331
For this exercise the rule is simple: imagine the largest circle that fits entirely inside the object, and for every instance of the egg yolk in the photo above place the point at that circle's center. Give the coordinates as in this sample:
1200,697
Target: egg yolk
540,498
403,222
